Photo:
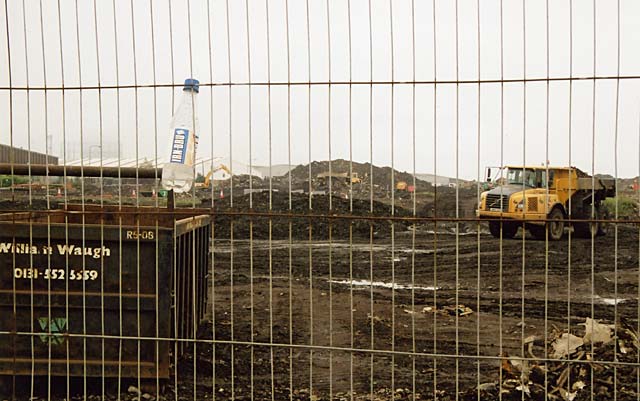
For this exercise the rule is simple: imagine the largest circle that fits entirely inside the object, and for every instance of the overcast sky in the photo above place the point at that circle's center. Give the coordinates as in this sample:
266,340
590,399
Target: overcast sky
86,44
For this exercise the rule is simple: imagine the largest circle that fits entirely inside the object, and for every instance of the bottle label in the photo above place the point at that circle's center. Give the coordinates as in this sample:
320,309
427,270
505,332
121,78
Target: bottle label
179,147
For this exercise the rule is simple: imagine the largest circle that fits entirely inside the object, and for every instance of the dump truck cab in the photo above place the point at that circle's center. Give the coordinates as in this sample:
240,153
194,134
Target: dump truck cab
543,197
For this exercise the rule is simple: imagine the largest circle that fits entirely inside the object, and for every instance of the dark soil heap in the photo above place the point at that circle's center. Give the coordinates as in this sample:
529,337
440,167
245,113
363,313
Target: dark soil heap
308,218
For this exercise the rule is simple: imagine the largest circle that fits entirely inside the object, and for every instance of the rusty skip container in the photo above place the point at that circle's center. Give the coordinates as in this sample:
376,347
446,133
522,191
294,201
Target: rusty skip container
105,292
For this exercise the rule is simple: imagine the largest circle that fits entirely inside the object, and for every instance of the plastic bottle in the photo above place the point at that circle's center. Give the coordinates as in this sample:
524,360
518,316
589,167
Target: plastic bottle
178,173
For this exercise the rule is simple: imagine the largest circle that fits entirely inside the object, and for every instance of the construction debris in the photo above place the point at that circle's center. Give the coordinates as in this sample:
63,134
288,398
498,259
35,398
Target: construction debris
593,361
449,310
459,310
428,309
566,345
596,332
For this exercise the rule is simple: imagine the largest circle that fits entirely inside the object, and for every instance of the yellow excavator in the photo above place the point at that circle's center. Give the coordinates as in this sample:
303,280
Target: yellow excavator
544,198
207,179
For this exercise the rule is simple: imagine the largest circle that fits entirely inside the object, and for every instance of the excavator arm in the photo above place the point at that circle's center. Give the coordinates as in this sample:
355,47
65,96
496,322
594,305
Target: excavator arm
207,178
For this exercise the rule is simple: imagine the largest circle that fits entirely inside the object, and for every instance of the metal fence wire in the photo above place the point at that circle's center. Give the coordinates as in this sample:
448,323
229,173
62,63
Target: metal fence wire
342,239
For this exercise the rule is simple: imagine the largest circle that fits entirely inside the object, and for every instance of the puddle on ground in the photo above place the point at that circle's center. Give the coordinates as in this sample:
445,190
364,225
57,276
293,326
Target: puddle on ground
609,301
382,284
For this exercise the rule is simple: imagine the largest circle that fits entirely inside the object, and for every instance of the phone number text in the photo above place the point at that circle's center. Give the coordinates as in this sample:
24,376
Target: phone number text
29,273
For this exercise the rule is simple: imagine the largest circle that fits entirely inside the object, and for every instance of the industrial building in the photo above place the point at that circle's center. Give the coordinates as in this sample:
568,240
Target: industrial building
10,154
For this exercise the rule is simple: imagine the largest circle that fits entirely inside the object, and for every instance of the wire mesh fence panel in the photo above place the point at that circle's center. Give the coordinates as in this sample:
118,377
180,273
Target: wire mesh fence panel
319,200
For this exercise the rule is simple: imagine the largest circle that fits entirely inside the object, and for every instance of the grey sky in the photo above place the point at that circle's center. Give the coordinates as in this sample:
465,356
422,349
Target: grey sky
331,57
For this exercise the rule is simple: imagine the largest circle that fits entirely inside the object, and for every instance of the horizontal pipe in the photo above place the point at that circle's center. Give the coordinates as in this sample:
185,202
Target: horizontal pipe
186,212
80,171
316,83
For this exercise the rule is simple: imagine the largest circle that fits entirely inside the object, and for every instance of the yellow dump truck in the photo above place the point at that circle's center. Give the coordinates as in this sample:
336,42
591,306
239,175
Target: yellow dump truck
544,197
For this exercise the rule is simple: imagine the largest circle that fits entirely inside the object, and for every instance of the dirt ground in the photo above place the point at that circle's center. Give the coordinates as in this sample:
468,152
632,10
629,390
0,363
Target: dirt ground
330,309
367,305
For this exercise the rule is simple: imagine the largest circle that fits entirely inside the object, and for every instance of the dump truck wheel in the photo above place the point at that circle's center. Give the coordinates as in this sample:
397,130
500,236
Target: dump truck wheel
494,228
509,229
602,227
592,229
586,230
538,232
556,224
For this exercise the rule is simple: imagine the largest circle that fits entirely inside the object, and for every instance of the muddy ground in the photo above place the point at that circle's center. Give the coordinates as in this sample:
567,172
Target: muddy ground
320,293
328,308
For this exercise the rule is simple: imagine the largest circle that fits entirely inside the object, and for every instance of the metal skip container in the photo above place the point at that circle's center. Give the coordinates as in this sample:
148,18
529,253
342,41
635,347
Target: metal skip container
104,292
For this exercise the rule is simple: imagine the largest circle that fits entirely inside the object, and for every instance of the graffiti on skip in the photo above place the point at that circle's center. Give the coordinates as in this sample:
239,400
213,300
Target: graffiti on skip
54,329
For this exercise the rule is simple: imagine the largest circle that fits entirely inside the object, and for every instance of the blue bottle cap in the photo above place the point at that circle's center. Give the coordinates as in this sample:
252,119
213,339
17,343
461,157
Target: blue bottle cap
191,84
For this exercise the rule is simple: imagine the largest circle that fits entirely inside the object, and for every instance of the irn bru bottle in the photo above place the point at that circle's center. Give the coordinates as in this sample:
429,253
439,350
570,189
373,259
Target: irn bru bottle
178,173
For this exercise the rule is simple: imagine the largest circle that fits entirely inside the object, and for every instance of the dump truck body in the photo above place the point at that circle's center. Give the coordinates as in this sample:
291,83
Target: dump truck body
533,195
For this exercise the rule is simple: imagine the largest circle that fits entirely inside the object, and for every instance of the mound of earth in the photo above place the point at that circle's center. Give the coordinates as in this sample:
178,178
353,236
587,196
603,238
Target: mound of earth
317,217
